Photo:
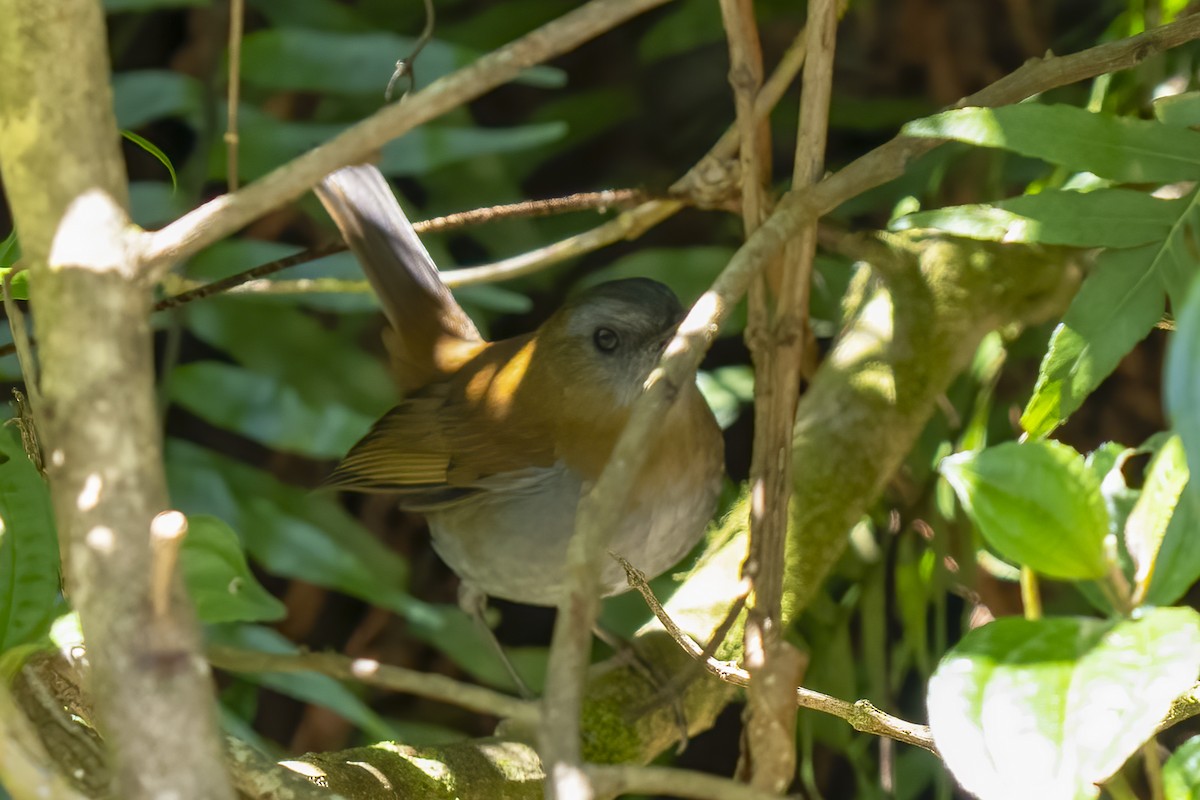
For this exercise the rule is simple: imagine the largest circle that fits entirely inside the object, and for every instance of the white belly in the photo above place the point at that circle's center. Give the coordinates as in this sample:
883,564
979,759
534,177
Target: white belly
489,541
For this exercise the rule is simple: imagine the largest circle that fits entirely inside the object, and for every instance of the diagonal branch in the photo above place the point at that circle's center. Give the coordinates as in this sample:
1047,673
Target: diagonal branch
224,215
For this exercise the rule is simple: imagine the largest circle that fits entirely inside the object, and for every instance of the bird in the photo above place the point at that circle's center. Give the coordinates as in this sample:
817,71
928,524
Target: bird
496,442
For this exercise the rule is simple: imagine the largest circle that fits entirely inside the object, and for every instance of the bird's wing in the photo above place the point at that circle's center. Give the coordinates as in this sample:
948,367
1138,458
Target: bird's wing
451,440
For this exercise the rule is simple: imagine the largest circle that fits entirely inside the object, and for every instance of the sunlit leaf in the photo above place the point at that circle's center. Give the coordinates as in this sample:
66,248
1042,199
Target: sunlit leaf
1047,708
219,581
1037,504
1182,380
1148,522
1101,218
1181,773
1118,304
1121,148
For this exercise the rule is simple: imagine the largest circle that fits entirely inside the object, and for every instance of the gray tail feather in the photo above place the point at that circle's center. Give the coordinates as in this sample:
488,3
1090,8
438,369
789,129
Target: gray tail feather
398,266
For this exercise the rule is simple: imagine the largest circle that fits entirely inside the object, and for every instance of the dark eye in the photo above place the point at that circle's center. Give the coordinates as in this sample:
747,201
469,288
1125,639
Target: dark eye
606,339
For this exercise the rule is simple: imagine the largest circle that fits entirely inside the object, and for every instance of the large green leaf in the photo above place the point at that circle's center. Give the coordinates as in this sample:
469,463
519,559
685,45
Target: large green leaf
305,535
1119,148
292,532
268,142
1037,504
1047,708
433,147
1118,304
350,63
272,339
310,687
1101,218
1182,110
1177,567
10,254
219,581
1182,379
1181,773
1151,516
142,96
29,562
265,409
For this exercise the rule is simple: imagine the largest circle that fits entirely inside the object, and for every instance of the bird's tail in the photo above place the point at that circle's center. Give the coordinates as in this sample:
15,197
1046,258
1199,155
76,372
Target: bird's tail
424,316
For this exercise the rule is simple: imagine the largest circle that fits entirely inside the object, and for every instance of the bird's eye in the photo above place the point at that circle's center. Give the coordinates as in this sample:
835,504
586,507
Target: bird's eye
606,340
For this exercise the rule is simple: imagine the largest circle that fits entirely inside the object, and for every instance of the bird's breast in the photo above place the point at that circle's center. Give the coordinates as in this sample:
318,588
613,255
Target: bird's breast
510,540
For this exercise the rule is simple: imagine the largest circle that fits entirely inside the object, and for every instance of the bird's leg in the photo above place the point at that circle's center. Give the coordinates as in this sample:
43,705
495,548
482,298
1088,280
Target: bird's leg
474,602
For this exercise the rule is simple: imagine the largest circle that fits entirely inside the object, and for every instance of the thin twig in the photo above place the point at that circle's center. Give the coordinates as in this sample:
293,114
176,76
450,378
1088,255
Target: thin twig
383,676
768,756
407,66
580,201
860,714
613,780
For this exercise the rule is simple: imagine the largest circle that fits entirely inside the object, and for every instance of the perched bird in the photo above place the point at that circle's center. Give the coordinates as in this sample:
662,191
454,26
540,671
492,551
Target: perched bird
495,442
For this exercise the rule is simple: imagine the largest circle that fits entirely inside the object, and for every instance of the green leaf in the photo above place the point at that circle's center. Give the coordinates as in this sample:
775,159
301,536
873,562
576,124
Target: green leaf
1182,379
682,28
268,142
29,564
1181,773
1037,504
1100,218
151,148
431,147
1148,522
119,6
1118,304
304,535
1047,708
218,579
153,204
266,410
1182,110
727,390
287,344
292,532
10,254
311,687
1177,567
354,63
142,96
1120,148
1107,463
10,249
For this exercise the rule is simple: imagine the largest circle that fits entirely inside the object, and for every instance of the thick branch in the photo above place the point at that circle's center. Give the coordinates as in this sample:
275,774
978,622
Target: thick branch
913,332
63,174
